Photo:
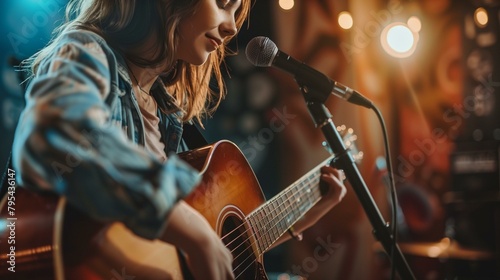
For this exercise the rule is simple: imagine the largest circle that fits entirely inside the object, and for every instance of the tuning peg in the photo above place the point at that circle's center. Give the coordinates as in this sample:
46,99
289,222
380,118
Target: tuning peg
350,139
327,147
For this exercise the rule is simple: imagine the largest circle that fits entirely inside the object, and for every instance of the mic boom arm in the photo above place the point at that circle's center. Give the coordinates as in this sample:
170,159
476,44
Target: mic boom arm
344,160
263,52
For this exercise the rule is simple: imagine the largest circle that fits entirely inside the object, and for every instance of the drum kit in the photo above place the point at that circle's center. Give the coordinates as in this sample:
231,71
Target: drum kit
446,248
448,259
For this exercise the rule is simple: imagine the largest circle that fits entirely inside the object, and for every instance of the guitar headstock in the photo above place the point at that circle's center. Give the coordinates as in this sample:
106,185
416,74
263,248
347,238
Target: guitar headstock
349,138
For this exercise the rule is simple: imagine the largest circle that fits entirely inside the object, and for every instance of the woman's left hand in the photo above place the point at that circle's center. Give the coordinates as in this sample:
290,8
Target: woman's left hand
334,180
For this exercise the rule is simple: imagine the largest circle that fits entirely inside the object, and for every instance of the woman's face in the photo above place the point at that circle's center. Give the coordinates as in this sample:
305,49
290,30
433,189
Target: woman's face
206,29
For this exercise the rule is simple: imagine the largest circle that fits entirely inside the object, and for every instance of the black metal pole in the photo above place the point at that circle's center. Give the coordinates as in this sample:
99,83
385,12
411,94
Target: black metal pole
344,160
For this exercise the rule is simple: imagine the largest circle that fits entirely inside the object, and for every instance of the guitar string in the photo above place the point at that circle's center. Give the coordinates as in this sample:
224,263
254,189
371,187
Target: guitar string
314,172
253,260
314,181
270,225
307,175
293,193
286,192
312,175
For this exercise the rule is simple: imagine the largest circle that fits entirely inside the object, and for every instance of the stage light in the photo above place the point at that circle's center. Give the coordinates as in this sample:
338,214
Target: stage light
345,20
398,40
286,4
414,24
481,17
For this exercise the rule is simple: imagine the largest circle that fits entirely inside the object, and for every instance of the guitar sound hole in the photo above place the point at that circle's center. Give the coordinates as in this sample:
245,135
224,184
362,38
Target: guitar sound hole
238,242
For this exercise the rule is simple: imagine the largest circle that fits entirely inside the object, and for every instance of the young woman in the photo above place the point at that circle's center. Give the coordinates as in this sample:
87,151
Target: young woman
104,114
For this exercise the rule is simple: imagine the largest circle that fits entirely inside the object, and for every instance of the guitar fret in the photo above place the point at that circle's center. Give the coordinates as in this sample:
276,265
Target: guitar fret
316,191
296,197
278,218
259,229
313,187
310,181
256,234
263,233
288,210
285,209
265,228
293,216
297,209
284,215
273,213
270,214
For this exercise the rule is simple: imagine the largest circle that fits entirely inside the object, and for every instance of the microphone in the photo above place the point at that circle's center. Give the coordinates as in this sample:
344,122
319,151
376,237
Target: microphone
263,52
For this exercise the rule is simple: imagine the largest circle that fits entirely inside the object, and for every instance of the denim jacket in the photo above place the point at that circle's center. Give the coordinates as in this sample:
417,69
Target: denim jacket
81,135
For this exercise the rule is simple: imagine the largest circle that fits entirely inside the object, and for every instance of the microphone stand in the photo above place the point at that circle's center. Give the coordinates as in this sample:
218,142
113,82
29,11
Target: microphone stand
322,118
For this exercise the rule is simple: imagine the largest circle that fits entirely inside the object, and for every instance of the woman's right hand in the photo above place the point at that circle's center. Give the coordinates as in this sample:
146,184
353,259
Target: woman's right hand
208,257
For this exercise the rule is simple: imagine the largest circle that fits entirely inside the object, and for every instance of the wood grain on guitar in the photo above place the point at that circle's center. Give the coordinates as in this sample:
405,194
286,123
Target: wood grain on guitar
55,241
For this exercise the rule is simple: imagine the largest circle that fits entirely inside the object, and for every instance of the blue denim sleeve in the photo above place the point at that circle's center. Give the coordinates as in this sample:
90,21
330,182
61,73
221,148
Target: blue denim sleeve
65,143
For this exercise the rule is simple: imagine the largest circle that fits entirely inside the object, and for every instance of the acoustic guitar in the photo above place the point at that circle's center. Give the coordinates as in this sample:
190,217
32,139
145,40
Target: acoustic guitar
55,241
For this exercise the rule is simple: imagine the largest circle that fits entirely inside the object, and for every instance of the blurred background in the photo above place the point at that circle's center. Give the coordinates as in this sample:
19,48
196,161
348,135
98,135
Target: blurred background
430,66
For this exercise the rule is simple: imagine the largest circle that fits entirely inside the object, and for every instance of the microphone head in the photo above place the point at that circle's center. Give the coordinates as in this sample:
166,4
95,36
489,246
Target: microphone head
261,51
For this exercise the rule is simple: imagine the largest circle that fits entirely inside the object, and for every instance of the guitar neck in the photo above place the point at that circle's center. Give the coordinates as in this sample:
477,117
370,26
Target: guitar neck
276,216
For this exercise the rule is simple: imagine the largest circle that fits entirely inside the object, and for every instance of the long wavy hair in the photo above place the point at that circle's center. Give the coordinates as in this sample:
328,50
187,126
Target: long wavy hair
126,24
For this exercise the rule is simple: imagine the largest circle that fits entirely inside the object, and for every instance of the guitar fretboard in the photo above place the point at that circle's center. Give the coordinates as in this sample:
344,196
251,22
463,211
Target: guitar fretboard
277,215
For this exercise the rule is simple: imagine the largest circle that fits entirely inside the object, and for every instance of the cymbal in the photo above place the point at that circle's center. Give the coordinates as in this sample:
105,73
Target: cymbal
444,249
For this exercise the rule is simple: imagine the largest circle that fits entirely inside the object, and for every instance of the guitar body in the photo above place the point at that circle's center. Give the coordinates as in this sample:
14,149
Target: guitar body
54,241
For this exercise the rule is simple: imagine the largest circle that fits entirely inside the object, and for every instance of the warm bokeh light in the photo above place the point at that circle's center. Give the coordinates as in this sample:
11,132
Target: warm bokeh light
286,4
414,24
345,20
398,40
481,17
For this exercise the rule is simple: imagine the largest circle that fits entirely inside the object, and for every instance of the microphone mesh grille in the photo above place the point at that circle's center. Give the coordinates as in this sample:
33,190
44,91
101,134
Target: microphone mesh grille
261,51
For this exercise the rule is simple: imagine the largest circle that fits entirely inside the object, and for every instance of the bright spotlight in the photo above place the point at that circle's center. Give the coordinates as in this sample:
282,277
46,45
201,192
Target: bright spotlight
345,20
398,40
414,24
481,17
286,4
